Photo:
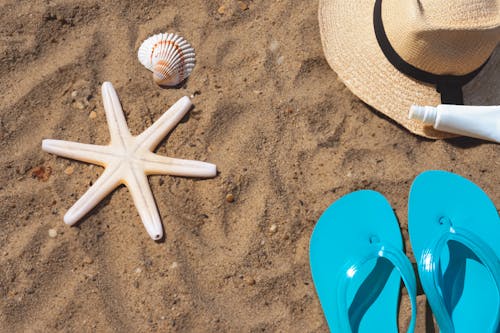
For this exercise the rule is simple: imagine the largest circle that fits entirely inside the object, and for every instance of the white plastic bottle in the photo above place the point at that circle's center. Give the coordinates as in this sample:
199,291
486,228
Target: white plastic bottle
482,122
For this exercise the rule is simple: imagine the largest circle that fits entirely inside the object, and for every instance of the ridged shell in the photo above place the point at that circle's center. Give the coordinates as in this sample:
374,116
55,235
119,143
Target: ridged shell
169,56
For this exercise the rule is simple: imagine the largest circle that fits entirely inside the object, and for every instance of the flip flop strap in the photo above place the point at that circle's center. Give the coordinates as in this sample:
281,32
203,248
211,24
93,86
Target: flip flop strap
400,262
430,274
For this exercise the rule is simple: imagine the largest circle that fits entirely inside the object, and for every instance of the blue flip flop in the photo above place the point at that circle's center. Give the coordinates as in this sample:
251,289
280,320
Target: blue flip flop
357,264
455,234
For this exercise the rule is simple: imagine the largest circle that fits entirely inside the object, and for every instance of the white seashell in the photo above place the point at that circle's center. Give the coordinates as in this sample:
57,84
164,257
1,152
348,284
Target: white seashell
169,56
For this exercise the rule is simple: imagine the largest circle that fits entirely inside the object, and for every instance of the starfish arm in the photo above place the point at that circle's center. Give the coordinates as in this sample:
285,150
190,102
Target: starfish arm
163,165
104,185
152,136
94,154
114,114
138,185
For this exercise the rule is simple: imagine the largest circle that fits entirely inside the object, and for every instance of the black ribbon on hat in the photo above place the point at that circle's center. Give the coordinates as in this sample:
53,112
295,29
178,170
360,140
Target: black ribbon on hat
449,86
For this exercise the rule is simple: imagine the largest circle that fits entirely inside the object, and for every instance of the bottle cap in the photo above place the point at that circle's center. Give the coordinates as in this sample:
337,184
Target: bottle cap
427,114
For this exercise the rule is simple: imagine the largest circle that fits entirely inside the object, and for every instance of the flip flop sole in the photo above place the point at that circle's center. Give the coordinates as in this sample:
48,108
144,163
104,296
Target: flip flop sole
442,202
345,232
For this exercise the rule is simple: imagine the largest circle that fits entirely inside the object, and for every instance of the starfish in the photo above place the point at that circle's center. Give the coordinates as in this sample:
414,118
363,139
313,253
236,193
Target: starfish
129,160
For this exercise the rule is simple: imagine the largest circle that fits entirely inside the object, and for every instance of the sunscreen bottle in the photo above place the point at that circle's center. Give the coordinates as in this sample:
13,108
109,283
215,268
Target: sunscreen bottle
482,122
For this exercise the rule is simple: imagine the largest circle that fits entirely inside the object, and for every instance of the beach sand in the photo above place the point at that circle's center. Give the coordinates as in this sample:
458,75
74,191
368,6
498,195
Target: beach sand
287,136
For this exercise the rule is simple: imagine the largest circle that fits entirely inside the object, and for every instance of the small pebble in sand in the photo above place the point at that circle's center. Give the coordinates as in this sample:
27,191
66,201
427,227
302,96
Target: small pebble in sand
242,5
174,265
250,281
280,60
69,170
138,270
221,10
52,233
79,105
92,115
230,197
74,93
274,46
41,173
273,228
88,260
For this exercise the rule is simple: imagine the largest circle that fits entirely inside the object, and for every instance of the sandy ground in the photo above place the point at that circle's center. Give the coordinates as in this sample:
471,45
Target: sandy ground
287,136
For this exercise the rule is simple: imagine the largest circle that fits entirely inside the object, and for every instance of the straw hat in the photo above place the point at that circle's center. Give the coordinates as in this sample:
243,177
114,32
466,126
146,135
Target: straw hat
450,41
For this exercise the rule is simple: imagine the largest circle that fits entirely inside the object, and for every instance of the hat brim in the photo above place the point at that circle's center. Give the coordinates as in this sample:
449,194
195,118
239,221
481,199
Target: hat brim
352,50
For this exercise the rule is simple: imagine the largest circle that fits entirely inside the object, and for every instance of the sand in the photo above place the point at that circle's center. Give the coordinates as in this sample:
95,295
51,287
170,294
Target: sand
287,136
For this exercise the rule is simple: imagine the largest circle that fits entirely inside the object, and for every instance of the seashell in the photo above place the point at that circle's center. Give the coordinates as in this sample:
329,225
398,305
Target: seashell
169,56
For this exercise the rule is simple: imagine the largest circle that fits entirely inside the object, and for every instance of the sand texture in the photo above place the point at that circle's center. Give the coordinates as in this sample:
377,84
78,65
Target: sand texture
287,136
